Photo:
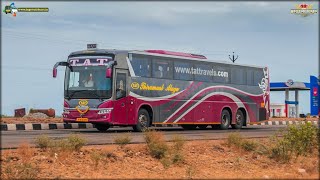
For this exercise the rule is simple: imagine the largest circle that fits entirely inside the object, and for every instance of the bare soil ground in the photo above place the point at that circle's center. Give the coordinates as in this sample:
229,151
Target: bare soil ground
293,119
202,159
23,120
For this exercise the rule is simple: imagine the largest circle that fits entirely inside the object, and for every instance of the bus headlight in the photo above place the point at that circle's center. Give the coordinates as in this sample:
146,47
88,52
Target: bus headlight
65,111
105,111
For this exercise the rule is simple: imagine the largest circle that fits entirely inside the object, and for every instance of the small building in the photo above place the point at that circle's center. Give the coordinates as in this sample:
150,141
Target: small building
277,110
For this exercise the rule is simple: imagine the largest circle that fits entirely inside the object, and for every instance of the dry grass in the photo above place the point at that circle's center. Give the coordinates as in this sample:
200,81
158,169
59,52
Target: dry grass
122,139
200,161
156,144
25,169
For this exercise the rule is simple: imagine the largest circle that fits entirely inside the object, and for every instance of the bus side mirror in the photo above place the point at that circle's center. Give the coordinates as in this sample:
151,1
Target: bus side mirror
108,73
54,72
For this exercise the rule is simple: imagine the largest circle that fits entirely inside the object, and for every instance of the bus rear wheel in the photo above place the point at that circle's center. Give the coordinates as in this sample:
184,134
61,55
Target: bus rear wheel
239,120
143,121
102,127
225,119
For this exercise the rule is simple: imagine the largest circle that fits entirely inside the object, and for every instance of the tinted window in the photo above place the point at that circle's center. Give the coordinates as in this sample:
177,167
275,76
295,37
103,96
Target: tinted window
221,74
162,69
204,72
182,71
141,66
250,77
238,75
121,85
258,75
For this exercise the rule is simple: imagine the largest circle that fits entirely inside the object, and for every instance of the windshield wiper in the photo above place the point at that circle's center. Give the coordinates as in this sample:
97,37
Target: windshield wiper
73,92
96,94
90,91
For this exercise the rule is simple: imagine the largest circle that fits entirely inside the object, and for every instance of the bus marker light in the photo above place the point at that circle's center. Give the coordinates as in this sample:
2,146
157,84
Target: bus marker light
261,104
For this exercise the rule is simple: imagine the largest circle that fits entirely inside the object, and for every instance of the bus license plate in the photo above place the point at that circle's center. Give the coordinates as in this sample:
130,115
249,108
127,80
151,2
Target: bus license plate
82,119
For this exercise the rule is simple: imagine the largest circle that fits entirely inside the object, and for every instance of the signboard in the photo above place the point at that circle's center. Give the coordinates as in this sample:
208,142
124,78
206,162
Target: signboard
314,96
92,46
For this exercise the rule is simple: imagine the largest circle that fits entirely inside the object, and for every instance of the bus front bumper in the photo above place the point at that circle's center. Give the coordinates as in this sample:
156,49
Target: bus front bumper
92,116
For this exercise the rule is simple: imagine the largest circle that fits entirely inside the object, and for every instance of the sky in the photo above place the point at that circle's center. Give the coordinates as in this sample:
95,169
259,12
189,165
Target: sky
261,33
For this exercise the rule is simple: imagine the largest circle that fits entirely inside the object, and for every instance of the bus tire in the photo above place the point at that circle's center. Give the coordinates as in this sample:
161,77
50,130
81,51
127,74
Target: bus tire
202,127
143,121
189,127
225,119
239,120
102,127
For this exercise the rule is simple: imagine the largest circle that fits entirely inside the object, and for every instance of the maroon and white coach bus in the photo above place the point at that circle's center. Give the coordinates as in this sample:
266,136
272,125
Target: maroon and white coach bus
108,87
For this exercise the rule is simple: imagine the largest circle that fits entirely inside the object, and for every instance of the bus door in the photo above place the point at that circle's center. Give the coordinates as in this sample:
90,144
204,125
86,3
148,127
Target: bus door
121,93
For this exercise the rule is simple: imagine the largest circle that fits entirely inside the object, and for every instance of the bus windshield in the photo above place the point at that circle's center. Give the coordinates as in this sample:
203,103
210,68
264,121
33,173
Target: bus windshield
87,82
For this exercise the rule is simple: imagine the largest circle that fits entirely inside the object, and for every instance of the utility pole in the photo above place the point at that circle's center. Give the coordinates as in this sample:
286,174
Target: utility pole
233,59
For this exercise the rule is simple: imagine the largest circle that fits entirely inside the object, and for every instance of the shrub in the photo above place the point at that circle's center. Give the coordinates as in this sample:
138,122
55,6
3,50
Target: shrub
20,171
234,139
249,145
178,143
156,144
177,157
297,140
75,142
281,151
302,138
165,161
72,143
43,142
96,157
27,171
122,140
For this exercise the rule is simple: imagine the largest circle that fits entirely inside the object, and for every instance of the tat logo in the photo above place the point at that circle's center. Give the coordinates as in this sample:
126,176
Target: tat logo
135,85
82,108
289,82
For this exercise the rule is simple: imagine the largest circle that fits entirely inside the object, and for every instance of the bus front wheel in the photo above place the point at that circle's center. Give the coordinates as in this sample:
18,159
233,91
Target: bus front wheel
225,119
239,120
143,121
102,127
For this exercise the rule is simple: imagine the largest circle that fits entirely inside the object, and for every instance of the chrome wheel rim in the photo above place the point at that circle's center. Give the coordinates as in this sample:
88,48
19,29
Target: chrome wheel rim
238,119
143,120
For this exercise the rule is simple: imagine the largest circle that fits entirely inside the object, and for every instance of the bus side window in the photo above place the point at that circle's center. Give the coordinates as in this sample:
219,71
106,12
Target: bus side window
182,71
238,76
250,77
222,74
206,73
121,85
162,69
258,75
141,66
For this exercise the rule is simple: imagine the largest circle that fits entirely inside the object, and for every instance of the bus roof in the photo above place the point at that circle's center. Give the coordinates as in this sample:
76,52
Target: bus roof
192,58
159,53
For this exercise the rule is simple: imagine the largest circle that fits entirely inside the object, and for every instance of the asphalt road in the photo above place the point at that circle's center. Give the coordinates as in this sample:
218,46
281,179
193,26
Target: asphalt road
12,139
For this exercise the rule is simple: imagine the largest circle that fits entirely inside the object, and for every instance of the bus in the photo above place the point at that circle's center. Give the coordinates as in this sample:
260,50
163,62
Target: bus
143,88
